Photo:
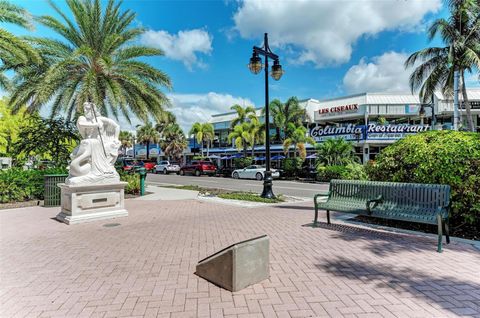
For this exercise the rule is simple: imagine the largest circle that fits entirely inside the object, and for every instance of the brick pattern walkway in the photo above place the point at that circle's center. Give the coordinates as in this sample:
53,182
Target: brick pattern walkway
145,266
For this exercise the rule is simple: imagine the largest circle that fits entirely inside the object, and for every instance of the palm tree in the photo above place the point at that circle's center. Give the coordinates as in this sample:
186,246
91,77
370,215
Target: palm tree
297,137
147,135
174,141
92,60
241,136
242,114
335,151
167,118
14,51
284,114
256,132
461,35
204,133
126,139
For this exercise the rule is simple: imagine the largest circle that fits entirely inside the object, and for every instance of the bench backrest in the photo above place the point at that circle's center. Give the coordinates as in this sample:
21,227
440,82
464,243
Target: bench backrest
415,195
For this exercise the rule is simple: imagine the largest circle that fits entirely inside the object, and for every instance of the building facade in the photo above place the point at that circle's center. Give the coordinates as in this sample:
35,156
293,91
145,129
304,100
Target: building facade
371,121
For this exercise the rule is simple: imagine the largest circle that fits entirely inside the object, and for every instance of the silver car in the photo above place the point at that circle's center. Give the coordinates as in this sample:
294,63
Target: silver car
167,167
253,172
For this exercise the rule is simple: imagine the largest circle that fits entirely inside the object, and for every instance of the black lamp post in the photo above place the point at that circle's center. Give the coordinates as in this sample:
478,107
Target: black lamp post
255,67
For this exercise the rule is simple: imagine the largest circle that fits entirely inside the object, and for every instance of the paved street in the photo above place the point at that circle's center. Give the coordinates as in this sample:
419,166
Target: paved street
145,266
292,188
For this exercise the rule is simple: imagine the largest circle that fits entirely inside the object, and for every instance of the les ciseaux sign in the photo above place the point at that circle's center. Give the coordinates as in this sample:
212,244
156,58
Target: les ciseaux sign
370,131
338,109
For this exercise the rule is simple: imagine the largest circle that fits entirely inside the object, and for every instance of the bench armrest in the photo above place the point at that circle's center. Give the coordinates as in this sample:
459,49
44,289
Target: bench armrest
325,194
375,202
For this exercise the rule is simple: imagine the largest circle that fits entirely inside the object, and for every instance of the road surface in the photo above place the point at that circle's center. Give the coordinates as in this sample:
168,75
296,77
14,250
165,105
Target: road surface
291,188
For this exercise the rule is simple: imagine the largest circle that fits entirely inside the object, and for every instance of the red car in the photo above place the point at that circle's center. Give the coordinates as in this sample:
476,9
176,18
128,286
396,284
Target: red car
198,168
131,165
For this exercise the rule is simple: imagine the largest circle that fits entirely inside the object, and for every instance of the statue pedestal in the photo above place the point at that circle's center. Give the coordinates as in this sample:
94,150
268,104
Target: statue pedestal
85,203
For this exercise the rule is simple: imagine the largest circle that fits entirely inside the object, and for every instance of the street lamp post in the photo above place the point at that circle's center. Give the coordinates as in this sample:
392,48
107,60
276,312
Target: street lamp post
255,67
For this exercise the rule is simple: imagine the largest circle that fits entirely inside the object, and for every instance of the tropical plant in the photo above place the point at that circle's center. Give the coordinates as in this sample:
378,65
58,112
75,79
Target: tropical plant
173,142
166,118
461,35
335,151
242,114
147,135
10,125
437,157
92,60
126,140
14,51
241,136
52,139
298,138
256,132
204,134
284,114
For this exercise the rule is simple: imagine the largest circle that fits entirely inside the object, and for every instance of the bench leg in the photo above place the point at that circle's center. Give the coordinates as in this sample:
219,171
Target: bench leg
447,232
315,221
328,216
439,221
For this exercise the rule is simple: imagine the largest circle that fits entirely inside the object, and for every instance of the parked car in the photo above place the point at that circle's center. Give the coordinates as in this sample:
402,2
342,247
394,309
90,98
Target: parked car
253,172
199,168
149,165
130,165
225,172
167,167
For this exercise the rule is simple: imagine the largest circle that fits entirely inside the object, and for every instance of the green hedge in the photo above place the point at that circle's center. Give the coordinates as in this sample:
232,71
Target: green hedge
18,185
133,179
444,157
351,171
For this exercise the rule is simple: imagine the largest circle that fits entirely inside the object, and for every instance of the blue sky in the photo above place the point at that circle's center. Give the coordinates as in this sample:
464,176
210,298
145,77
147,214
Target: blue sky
327,48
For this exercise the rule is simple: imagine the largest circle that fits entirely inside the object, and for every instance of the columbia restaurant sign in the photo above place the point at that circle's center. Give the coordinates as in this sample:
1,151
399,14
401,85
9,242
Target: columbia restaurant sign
362,132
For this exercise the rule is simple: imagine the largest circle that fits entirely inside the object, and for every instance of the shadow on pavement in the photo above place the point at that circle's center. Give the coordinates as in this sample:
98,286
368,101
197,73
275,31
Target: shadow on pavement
460,297
379,242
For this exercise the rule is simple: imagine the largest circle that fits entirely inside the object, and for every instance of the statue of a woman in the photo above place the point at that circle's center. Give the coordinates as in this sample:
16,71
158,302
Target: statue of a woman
93,160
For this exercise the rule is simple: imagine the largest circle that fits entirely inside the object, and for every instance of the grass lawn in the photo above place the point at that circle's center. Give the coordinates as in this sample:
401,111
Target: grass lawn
226,194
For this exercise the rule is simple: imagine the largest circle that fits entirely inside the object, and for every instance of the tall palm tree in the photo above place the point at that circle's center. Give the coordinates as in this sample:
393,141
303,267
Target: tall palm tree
167,118
147,134
174,141
93,60
241,136
298,138
14,51
242,114
204,134
335,152
461,36
126,139
256,132
284,114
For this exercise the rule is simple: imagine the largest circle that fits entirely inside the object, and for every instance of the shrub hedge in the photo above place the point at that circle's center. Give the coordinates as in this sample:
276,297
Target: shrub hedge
18,185
444,157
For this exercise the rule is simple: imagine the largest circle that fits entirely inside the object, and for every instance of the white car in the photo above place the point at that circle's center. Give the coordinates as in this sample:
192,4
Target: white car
253,172
167,167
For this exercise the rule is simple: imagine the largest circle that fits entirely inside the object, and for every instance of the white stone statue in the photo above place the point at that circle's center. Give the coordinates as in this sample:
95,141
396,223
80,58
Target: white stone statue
93,160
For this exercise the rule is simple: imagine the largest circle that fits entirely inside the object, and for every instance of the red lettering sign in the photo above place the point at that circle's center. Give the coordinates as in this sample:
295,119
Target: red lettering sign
338,109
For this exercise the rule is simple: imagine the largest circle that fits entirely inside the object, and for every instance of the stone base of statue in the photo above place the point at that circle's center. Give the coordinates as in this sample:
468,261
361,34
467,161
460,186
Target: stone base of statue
85,203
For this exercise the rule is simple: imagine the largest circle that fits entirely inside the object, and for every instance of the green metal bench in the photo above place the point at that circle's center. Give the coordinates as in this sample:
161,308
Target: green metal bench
413,202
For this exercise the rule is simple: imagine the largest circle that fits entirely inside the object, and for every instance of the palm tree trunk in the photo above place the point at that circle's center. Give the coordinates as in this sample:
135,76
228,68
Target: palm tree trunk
277,131
201,155
208,148
148,145
295,151
468,109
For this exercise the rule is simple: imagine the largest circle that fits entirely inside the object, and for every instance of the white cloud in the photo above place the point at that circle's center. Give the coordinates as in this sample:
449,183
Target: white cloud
183,46
384,73
190,108
323,32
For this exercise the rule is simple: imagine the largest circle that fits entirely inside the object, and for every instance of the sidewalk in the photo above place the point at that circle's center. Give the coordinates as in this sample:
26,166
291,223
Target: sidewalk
144,266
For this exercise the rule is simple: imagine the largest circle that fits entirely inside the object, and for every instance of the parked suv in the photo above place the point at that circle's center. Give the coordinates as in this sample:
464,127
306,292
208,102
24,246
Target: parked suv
198,168
167,167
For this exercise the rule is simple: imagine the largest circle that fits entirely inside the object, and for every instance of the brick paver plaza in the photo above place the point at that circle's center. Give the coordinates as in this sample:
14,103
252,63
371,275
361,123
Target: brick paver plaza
145,266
